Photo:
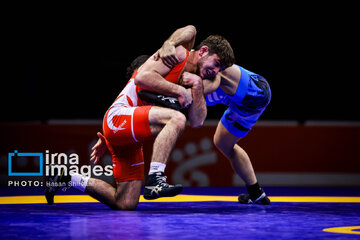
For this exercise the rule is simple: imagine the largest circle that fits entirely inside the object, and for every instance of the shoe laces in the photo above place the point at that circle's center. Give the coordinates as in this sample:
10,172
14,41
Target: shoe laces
162,181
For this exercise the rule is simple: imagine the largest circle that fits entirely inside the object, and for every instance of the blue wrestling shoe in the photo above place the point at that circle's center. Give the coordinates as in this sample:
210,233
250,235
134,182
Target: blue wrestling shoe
157,187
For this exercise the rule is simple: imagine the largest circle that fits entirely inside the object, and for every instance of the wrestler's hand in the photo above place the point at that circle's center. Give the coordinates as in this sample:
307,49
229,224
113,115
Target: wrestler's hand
192,80
185,99
167,53
98,149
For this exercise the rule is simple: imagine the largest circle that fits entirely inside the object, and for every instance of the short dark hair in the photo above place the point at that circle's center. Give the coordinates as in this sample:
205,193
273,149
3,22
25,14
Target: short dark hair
135,64
219,45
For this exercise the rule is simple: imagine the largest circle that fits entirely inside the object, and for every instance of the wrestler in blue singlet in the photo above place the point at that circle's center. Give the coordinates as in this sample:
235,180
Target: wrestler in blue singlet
246,105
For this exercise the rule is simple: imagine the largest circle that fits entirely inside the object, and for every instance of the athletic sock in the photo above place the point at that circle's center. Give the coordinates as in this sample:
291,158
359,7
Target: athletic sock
156,167
79,182
254,191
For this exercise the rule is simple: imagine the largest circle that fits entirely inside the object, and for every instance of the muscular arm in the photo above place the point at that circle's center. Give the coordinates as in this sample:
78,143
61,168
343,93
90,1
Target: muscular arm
183,36
211,85
186,37
197,110
150,77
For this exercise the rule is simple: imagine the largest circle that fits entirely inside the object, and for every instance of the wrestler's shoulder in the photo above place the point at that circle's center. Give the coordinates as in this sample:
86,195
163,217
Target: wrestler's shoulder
181,53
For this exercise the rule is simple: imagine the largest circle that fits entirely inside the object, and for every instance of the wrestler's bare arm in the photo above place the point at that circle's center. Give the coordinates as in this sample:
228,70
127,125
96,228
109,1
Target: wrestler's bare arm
150,77
197,111
211,85
183,36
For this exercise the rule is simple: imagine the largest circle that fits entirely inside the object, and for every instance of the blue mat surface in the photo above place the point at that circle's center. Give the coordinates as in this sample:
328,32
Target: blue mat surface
186,220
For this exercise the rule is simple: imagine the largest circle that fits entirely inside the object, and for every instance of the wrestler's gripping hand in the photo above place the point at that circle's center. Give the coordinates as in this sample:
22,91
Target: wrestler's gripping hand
98,149
191,80
167,54
185,99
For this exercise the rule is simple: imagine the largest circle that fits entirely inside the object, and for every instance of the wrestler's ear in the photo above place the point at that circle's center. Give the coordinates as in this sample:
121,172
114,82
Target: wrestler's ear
203,51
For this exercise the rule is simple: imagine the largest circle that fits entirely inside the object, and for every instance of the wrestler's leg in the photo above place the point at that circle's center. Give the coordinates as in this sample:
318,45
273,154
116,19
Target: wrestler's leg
240,161
124,197
167,125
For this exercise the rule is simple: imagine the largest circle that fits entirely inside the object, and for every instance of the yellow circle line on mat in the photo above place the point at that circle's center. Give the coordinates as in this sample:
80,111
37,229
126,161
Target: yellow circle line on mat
347,230
179,198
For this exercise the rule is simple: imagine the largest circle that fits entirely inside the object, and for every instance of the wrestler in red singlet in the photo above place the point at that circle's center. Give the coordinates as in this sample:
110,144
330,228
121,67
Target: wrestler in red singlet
126,126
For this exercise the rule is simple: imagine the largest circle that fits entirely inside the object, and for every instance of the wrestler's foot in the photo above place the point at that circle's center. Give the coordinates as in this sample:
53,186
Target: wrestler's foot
54,183
157,187
246,199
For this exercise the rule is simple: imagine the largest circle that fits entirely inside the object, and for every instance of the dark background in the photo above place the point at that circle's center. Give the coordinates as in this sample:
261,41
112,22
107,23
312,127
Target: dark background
65,62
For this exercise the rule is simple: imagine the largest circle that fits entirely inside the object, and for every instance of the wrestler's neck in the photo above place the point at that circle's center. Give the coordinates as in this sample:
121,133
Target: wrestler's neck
191,64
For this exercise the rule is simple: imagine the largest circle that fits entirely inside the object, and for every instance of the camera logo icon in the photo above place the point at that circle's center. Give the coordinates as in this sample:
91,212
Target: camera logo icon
17,158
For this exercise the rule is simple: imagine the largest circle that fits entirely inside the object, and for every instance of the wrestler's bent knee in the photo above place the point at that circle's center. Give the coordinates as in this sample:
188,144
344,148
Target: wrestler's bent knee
126,205
222,145
179,119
